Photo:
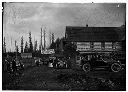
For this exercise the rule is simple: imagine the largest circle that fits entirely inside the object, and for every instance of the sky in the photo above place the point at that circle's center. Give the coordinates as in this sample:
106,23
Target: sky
21,18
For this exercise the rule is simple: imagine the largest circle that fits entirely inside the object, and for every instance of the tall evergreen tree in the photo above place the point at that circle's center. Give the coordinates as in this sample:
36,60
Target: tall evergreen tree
22,43
17,49
70,49
40,48
57,43
26,47
52,37
30,43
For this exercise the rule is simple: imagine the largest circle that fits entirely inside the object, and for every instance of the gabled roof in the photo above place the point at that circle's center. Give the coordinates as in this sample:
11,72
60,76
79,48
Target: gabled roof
94,33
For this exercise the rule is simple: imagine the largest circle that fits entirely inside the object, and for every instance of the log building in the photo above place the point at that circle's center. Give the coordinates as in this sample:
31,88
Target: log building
96,39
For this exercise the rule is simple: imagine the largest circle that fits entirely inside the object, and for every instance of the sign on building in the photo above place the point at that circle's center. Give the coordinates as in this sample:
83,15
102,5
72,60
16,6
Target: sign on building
26,55
49,51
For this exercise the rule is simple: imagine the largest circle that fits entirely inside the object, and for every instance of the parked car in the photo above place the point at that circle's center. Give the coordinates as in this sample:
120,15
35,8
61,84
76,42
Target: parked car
100,62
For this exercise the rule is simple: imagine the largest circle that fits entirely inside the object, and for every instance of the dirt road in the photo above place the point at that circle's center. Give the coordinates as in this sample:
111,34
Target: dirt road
45,78
37,78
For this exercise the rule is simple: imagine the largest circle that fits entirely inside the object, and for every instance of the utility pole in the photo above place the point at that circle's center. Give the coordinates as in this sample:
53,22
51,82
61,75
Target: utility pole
22,45
41,40
15,45
49,38
44,40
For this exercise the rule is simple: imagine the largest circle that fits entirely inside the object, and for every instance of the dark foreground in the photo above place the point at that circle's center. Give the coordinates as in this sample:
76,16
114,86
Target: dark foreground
46,78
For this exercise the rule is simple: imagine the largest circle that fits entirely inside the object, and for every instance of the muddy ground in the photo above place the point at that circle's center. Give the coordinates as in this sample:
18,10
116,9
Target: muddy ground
48,78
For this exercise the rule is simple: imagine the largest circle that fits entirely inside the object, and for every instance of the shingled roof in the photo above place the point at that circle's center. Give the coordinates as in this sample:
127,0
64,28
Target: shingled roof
94,33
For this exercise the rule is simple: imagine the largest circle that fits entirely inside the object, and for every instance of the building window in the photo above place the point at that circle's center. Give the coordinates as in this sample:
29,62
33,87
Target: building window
91,45
97,45
118,45
83,46
108,45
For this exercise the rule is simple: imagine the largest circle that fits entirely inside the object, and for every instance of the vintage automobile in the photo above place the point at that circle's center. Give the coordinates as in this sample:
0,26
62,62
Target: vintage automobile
99,61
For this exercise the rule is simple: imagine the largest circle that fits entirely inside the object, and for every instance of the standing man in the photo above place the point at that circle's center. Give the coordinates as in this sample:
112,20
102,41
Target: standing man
14,65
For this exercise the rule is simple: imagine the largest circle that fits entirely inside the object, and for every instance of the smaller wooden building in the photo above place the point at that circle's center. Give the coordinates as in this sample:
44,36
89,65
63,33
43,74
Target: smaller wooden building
26,55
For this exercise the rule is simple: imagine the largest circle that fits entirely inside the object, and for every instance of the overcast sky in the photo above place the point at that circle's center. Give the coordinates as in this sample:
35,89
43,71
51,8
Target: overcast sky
21,18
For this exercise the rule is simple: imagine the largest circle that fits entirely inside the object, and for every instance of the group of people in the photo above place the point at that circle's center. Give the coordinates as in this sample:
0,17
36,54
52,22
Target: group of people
12,64
59,62
38,61
54,62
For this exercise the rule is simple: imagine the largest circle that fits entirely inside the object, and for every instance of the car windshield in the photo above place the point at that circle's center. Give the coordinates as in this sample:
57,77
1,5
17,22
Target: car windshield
106,58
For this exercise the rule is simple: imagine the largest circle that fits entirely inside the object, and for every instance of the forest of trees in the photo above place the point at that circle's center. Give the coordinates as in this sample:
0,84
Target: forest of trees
29,48
58,45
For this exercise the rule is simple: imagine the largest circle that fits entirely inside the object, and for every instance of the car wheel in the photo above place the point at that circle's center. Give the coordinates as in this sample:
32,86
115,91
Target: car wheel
86,67
115,67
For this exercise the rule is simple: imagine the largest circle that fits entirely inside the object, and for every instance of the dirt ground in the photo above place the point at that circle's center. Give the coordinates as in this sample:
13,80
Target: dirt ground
47,78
